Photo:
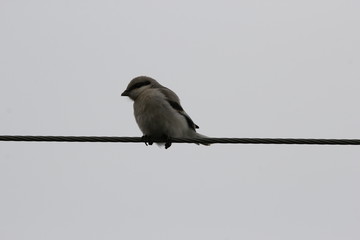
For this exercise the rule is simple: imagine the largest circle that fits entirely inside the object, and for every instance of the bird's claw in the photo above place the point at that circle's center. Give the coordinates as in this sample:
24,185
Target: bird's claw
168,142
147,140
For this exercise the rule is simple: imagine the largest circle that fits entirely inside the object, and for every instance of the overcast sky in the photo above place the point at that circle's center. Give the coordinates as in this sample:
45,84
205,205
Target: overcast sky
241,68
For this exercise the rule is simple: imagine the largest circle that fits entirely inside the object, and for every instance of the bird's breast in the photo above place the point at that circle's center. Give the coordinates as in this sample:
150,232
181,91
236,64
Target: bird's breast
155,116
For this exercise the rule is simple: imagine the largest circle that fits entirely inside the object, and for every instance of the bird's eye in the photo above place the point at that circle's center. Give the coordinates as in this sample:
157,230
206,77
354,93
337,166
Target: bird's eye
139,85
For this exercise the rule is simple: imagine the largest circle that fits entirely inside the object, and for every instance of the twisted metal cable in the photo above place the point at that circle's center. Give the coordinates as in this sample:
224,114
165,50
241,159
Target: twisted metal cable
182,140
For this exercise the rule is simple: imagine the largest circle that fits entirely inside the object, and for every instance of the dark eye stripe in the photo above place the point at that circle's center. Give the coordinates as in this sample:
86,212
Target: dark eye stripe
139,85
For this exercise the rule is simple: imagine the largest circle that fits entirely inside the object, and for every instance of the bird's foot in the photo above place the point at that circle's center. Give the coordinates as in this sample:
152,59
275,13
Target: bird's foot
147,140
167,142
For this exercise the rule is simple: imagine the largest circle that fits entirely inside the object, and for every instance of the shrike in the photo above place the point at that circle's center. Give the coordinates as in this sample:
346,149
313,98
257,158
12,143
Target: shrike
158,112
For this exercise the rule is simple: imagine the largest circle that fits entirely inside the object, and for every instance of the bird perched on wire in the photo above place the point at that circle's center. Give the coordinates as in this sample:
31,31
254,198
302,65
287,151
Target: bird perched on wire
158,112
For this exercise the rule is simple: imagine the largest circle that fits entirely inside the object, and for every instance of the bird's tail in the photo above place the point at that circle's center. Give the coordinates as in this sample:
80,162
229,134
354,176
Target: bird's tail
198,135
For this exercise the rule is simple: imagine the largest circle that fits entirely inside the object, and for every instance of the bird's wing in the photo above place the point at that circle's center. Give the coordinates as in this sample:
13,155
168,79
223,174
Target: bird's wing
174,102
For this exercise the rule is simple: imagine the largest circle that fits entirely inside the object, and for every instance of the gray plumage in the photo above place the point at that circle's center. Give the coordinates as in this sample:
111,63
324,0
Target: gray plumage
158,111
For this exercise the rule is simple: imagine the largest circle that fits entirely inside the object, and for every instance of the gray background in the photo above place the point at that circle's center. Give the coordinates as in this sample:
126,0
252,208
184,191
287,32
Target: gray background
242,69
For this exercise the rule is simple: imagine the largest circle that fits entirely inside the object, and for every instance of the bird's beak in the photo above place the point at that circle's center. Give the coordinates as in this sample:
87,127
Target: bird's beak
125,93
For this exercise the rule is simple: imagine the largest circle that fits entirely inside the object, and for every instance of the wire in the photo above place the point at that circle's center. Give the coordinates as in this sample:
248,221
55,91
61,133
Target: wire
182,140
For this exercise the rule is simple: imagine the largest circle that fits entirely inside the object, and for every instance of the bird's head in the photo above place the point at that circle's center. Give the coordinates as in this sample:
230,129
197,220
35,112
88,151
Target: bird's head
138,85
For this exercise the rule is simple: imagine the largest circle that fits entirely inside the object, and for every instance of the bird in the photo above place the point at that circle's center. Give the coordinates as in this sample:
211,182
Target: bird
158,112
